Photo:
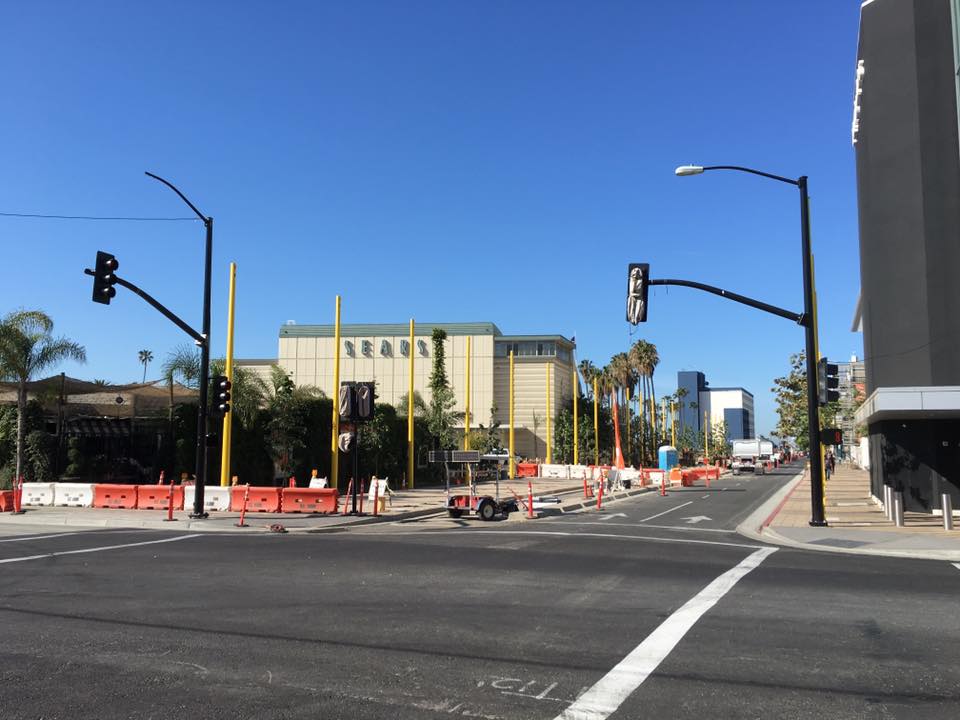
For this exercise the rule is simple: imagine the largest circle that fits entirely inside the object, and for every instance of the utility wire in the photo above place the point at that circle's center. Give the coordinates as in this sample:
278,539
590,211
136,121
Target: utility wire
95,217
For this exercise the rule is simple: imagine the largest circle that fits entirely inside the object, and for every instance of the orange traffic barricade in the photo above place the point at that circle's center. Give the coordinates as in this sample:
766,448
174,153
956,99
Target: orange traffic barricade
527,469
261,499
309,500
123,497
157,497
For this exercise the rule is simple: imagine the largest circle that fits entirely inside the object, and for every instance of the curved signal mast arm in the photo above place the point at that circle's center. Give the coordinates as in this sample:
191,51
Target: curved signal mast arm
798,318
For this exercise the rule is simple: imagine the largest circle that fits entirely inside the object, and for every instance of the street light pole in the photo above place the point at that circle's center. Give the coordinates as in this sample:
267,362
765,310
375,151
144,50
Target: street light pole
201,453
817,518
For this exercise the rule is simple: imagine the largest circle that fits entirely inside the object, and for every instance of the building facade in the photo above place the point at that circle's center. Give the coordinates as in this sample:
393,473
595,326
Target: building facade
382,353
905,137
730,405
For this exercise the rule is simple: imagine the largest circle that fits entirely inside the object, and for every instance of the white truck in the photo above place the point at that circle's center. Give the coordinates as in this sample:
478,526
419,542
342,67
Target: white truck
751,456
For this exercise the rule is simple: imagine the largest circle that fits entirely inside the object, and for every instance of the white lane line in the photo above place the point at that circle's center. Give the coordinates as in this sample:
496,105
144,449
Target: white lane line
686,528
651,538
603,699
957,566
24,538
689,502
98,549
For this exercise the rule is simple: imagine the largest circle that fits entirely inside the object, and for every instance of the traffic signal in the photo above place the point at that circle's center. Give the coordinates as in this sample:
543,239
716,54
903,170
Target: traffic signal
827,381
638,281
104,277
355,401
221,395
831,436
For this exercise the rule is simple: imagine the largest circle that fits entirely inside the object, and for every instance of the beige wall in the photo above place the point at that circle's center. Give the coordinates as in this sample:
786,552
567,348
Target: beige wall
530,396
310,360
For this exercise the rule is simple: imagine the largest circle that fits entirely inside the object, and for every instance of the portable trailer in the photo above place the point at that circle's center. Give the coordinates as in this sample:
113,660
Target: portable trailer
473,504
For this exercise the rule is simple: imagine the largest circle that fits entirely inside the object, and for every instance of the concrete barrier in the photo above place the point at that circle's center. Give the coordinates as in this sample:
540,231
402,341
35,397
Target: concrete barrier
215,498
38,493
73,494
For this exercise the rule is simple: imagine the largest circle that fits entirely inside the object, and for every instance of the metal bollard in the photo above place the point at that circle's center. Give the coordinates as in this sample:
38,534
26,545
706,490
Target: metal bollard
946,504
898,508
888,502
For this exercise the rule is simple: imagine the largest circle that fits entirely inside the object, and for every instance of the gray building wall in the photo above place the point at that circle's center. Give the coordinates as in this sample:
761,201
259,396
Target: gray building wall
693,382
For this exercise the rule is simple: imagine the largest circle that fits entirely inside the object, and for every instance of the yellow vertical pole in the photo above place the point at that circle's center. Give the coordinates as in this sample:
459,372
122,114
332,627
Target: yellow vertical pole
663,416
549,414
228,417
335,420
410,448
673,425
653,426
513,466
576,419
596,425
466,416
706,435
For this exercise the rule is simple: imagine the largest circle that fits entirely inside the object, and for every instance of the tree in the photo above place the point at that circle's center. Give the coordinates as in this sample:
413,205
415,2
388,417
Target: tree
27,347
183,362
145,357
440,416
790,393
248,391
289,412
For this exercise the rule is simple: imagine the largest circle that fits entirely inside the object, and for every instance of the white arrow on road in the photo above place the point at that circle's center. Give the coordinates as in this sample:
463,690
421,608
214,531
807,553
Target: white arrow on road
607,517
695,519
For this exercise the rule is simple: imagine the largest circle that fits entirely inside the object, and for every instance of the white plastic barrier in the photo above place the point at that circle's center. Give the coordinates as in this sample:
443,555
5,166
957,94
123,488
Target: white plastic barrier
38,493
629,474
656,476
382,491
215,497
73,494
555,471
577,472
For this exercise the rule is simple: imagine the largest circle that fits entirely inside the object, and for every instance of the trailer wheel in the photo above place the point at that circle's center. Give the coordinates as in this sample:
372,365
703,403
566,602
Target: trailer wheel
455,513
486,511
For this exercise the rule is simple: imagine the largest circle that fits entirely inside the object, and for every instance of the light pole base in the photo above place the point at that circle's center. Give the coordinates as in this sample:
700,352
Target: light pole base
818,523
199,516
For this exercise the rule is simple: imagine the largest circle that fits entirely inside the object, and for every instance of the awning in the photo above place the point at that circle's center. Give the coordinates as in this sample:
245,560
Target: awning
903,403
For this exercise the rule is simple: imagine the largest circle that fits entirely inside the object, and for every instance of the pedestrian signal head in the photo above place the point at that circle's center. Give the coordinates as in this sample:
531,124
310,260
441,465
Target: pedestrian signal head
638,281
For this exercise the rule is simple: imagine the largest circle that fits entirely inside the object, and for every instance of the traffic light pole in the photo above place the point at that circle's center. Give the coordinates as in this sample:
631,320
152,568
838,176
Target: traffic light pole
817,516
201,456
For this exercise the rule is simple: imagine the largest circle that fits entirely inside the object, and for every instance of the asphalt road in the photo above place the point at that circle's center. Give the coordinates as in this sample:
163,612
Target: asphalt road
493,620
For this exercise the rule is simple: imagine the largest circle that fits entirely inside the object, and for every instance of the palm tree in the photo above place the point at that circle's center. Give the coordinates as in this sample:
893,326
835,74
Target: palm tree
27,347
587,371
146,357
183,362
248,391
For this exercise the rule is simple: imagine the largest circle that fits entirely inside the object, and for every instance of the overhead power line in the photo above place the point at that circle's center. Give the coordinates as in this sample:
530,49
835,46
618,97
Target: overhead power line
96,217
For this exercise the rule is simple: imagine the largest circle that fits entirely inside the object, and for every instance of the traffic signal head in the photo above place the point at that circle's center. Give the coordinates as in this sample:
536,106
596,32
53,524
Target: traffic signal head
364,401
221,395
104,277
638,280
827,381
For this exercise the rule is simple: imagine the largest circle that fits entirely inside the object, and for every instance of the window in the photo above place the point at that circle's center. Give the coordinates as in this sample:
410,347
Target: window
526,348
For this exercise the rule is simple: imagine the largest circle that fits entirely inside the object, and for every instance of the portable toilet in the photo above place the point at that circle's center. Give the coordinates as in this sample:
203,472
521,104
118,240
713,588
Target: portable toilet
668,457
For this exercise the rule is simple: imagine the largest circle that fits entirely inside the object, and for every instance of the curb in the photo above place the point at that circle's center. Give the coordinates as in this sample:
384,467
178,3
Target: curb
756,527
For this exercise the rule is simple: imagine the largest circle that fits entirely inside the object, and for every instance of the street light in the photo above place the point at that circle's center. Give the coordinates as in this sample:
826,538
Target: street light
201,455
813,417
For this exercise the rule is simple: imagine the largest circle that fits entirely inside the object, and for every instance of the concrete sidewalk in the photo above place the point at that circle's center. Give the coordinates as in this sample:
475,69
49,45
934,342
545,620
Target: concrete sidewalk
855,523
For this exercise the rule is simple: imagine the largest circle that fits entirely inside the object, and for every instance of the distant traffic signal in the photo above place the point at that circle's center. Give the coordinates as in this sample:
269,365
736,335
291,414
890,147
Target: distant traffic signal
221,395
356,401
104,277
638,281
827,381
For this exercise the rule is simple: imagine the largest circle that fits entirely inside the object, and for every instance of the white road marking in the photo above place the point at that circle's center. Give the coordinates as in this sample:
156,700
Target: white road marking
609,517
694,519
651,538
43,537
685,528
98,549
603,699
957,566
689,502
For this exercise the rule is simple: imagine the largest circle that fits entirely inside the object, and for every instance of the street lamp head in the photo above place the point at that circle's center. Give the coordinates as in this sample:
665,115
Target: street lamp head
689,170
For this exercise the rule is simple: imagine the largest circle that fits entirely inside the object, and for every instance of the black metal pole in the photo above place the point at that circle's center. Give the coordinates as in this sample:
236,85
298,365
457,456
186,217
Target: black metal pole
201,470
817,518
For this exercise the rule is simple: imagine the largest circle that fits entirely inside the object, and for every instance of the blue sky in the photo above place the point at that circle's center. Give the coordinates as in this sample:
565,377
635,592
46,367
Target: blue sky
445,160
